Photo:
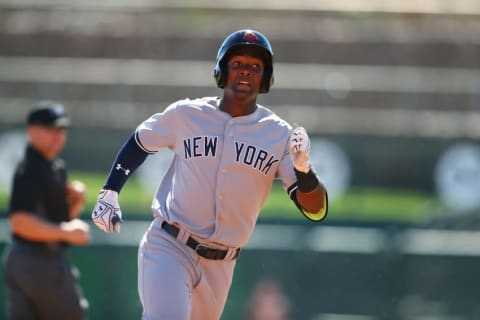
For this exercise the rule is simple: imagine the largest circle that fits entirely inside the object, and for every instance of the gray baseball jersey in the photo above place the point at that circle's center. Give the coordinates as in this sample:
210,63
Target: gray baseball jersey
223,167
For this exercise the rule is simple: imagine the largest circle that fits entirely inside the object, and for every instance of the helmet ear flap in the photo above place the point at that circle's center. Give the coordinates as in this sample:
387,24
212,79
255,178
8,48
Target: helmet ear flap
220,75
267,81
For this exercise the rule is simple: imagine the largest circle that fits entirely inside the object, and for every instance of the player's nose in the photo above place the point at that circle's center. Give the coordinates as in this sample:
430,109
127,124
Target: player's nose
246,69
245,72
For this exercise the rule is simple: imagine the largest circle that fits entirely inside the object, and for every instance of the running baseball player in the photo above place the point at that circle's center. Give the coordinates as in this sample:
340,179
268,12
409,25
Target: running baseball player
227,152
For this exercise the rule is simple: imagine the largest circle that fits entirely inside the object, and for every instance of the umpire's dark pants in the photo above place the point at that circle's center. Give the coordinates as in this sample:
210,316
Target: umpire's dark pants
41,285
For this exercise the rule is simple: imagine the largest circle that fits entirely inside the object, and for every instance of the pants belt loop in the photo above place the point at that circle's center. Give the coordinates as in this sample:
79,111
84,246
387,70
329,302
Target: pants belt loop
183,236
231,254
202,250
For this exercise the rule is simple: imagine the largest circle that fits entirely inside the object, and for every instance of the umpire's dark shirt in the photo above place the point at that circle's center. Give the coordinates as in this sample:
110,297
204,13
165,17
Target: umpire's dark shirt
39,187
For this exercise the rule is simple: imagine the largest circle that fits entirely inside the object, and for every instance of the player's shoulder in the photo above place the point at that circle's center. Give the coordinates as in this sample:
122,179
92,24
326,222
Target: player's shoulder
196,103
183,107
267,115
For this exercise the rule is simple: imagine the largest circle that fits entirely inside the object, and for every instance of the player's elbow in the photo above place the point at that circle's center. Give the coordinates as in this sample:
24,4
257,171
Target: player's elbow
313,201
314,206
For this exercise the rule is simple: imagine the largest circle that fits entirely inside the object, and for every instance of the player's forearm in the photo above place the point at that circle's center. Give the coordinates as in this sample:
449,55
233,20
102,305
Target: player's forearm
311,195
128,159
31,227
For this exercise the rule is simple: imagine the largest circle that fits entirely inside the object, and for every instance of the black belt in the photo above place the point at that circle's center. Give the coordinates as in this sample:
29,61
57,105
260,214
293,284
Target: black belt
43,249
200,249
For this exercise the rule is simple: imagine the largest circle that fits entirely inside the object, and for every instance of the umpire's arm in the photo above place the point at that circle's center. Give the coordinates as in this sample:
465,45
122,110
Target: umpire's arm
31,227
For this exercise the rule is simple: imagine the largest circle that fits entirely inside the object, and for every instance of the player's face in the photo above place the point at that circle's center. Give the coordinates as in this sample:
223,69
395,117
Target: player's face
245,71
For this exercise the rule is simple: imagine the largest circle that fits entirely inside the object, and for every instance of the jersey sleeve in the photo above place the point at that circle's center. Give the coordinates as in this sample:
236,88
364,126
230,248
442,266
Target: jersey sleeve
26,192
158,131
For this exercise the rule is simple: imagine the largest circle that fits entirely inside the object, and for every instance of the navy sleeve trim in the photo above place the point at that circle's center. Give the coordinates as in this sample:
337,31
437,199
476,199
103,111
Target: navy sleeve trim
140,145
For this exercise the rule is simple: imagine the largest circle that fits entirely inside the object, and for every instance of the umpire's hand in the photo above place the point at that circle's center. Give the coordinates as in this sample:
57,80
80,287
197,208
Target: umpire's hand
107,214
75,232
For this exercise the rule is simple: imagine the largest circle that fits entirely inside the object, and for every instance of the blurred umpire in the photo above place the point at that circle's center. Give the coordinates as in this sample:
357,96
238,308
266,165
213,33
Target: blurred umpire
40,282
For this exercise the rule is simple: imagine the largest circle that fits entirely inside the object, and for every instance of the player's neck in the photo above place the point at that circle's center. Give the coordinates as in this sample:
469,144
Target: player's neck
237,108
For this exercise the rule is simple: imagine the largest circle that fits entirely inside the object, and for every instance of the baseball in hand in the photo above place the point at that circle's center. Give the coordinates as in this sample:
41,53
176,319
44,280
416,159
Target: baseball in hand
76,192
77,186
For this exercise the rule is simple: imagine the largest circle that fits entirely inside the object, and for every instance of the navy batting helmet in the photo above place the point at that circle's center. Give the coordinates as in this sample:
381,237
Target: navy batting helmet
239,38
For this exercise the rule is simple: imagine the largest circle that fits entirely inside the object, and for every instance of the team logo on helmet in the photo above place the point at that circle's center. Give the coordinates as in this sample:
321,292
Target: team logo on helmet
250,36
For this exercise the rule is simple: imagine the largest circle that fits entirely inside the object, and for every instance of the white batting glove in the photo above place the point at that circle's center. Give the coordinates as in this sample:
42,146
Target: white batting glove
300,149
107,214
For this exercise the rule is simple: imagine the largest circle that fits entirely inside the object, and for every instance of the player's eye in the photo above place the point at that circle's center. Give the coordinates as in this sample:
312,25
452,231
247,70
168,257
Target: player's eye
254,67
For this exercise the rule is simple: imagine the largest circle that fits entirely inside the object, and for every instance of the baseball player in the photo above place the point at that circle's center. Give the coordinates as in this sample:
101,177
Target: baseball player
227,152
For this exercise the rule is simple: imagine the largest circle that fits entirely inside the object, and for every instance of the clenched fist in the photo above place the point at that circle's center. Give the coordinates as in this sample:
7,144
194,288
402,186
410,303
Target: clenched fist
300,149
107,214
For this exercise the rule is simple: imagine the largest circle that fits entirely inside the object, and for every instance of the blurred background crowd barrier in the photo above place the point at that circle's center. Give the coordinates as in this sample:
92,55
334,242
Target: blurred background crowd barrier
388,90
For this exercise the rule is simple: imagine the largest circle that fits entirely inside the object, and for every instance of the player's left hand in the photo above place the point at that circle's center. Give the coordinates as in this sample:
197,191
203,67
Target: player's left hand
107,214
300,149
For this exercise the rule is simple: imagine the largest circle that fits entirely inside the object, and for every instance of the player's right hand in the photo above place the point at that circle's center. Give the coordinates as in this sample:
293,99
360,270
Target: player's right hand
107,214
